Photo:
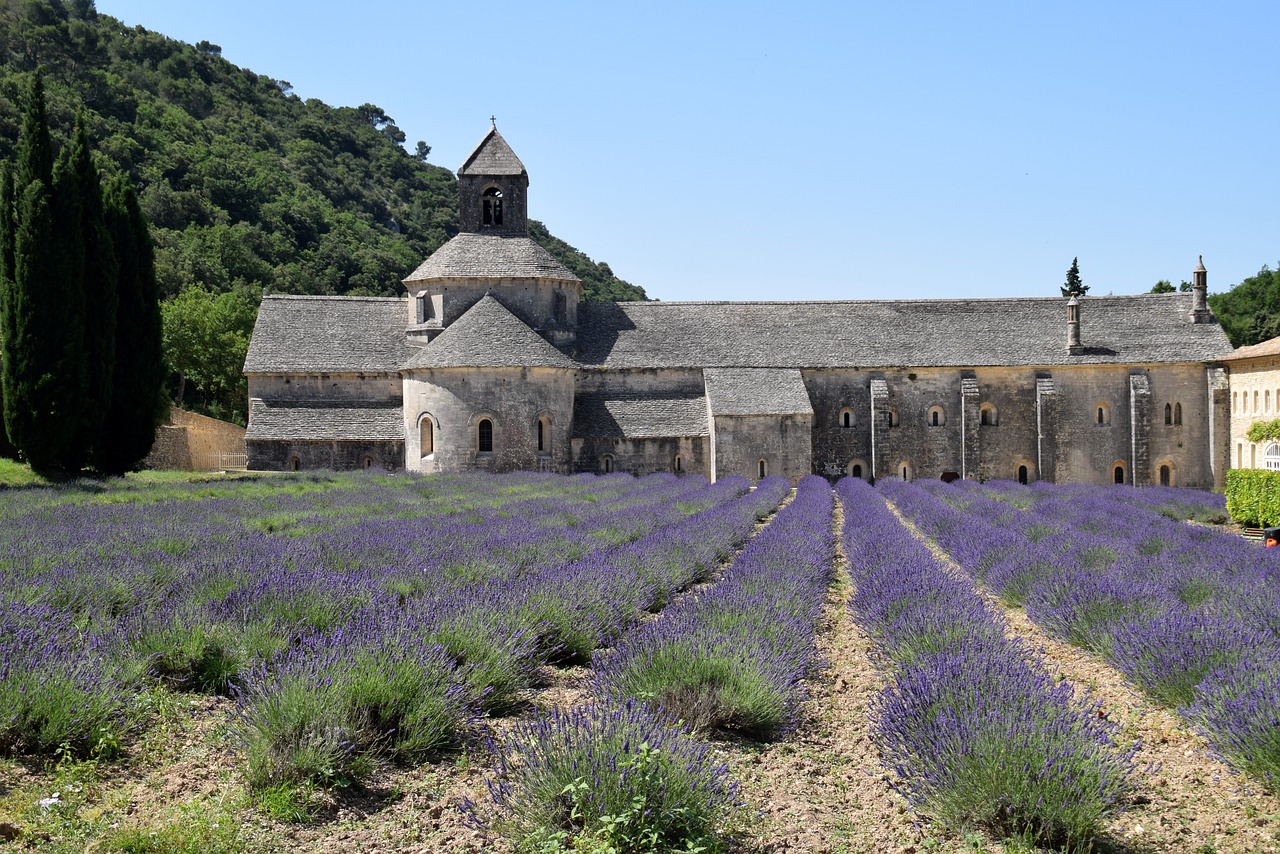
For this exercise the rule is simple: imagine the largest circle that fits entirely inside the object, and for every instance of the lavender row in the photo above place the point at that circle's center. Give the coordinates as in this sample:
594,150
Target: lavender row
974,727
1190,615
732,656
472,650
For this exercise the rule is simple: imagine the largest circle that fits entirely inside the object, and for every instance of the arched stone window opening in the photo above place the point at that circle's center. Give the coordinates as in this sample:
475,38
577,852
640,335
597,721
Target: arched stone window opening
1255,401
366,462
606,464
560,308
1023,475
426,436
1102,413
846,418
491,207
295,464
679,464
904,469
1271,459
1239,455
988,415
936,417
763,469
855,470
1177,415
1166,475
1168,414
1235,404
1253,456
544,435
1117,473
484,436
893,417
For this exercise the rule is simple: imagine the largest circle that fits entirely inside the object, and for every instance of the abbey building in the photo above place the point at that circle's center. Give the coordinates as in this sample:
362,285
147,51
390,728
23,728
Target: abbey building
494,362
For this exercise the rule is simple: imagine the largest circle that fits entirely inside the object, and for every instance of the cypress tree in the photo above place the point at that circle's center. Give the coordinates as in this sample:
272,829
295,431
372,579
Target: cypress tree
1074,287
44,364
6,283
94,270
137,404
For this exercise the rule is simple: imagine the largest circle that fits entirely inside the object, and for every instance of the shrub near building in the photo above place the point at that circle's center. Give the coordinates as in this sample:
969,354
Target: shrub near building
1253,496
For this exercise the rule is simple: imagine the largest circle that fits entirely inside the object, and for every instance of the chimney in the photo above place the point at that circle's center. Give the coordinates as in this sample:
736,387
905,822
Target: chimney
1074,347
1200,312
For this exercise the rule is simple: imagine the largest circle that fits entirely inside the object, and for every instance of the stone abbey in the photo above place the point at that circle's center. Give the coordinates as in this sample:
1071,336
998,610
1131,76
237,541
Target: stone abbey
494,362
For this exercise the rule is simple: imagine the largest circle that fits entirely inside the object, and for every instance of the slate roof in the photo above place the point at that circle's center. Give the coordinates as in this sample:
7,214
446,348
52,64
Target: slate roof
893,333
325,420
1253,351
487,335
492,157
328,335
639,416
757,391
470,255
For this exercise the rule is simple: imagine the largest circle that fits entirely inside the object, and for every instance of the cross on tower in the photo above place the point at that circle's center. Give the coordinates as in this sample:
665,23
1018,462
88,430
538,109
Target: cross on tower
494,120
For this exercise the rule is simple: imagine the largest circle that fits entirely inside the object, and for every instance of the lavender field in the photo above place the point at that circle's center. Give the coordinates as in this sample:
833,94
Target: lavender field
538,663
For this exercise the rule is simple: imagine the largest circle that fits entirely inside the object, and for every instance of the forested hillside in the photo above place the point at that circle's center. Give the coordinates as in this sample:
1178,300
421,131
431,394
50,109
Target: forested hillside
1250,311
248,188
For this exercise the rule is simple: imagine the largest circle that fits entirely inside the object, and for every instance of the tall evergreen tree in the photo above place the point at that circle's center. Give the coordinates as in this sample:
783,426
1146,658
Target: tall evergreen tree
44,359
1074,287
92,271
138,403
6,283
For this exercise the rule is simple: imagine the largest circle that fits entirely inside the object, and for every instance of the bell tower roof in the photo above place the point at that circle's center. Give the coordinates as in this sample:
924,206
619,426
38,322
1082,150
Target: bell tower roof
492,158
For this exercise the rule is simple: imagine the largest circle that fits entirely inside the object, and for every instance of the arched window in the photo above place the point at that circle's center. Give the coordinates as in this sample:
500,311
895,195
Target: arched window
1166,476
679,464
1117,474
606,463
426,435
1168,414
936,417
1255,401
1022,474
1253,455
491,206
1266,401
904,469
366,462
1239,455
893,417
846,417
763,469
1235,407
988,415
544,435
295,464
484,436
1271,459
1102,413
1177,415
855,470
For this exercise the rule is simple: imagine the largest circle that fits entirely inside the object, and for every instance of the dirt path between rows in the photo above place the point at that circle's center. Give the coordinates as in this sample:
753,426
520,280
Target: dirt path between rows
1188,801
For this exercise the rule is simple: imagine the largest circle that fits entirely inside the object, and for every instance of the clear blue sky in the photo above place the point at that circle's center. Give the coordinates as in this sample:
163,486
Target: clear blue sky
825,150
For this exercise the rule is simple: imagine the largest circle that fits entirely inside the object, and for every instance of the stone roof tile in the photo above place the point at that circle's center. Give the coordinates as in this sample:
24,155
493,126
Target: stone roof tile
487,335
492,157
757,391
893,333
325,420
470,255
639,416
329,335
1254,351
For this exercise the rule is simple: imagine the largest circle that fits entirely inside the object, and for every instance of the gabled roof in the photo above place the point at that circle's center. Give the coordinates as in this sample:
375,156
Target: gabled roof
492,157
757,391
487,335
893,333
639,416
325,420
1253,351
328,335
470,255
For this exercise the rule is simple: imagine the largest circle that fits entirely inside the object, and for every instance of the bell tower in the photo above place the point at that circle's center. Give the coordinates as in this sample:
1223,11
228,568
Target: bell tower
493,190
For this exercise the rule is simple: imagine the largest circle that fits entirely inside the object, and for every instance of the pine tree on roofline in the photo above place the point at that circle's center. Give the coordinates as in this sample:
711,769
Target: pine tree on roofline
1074,287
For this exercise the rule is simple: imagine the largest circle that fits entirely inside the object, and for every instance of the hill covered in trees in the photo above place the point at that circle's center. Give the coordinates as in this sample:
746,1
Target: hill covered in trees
247,187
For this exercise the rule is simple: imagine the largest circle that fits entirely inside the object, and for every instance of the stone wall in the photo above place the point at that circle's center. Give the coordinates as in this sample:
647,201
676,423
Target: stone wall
783,442
337,386
532,300
192,442
644,456
513,399
337,456
1254,385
